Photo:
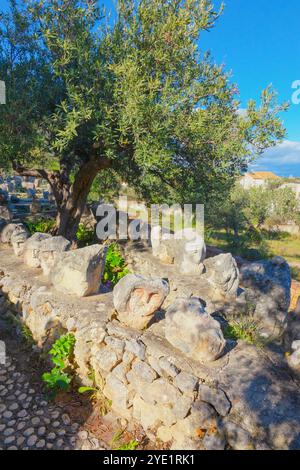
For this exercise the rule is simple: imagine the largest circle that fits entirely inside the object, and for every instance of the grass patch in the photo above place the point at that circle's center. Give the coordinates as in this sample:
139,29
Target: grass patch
244,329
271,244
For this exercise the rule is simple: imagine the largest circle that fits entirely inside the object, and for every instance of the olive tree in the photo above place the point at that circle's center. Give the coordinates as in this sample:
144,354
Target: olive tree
134,97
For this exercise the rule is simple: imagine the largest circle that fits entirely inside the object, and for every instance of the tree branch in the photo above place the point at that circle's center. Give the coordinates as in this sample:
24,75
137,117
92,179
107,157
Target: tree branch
30,172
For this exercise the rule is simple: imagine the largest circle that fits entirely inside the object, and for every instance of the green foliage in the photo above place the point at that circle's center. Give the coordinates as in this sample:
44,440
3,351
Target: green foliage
131,445
96,393
61,355
27,334
244,217
115,266
244,328
85,236
40,225
134,96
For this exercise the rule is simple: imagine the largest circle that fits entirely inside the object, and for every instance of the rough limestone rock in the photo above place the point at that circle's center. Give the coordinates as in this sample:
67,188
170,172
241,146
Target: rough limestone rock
192,254
18,240
5,213
50,250
222,273
267,286
186,249
193,331
294,358
8,230
80,271
136,299
32,248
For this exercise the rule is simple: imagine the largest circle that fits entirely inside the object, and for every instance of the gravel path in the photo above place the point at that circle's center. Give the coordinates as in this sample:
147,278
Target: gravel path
29,421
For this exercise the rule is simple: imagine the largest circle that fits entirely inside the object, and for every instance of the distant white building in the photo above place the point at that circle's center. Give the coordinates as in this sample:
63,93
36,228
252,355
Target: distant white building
258,178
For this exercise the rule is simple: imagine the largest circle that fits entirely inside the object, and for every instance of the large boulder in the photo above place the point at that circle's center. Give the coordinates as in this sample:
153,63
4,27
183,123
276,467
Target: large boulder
185,248
10,229
136,299
50,250
267,286
18,240
222,274
193,331
80,271
31,249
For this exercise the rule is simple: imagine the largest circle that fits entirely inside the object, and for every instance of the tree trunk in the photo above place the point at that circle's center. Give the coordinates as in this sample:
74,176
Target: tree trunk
70,198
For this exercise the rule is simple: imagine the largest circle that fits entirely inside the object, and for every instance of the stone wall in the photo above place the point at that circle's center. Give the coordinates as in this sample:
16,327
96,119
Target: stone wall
246,399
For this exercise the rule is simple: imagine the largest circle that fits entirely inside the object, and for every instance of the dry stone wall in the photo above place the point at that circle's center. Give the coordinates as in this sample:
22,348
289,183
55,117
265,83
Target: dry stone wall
215,395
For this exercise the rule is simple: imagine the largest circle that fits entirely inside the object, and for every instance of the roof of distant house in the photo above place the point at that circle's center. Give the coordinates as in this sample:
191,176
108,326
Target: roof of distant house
263,175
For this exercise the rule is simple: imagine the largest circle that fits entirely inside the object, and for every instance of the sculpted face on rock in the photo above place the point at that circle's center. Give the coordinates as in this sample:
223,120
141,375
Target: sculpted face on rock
50,250
186,249
136,299
193,331
32,249
9,230
222,273
18,240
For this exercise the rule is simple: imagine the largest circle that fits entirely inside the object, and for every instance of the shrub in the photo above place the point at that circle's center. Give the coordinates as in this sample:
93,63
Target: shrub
61,355
115,266
85,236
244,328
40,225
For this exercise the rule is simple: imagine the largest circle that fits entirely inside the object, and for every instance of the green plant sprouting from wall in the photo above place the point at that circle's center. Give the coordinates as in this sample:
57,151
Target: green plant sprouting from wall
115,266
59,378
95,392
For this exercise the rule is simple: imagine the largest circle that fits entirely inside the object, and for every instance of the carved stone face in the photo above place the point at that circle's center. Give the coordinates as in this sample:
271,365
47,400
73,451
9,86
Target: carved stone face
144,302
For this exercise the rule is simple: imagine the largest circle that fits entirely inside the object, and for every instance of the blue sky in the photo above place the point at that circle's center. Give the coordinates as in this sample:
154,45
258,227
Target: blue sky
259,41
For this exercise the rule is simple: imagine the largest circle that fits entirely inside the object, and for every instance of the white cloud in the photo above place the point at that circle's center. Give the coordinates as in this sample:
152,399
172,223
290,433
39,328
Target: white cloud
283,159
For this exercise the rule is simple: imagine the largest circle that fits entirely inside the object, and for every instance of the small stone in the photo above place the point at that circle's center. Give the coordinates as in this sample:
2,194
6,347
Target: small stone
8,431
66,419
167,365
7,414
2,426
136,347
56,424
22,397
35,421
144,371
186,382
115,343
55,414
13,407
31,441
9,440
105,359
41,443
59,443
12,422
21,426
20,440
22,414
28,432
41,430
83,435
216,398
51,436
